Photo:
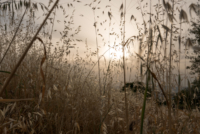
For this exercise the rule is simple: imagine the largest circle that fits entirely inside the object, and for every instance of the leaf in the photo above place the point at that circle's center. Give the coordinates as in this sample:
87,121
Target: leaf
55,88
15,100
42,7
109,15
41,71
183,16
2,113
160,34
132,17
164,3
46,8
49,94
188,43
40,99
160,37
179,41
77,127
167,6
6,72
104,128
37,113
121,7
13,106
15,6
157,40
141,70
20,3
171,17
166,28
35,6
193,7
139,56
95,24
122,14
154,76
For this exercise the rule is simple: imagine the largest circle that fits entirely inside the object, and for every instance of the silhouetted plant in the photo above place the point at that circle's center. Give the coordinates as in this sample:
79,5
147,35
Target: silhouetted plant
137,87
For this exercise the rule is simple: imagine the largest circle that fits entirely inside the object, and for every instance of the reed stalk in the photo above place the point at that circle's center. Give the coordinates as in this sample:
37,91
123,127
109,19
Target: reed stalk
124,67
170,72
149,44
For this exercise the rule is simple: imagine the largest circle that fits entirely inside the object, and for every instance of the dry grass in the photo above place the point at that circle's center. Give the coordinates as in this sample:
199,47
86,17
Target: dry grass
68,111
76,100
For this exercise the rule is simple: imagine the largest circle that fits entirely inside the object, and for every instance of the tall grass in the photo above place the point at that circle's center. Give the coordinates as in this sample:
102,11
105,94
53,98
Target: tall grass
49,91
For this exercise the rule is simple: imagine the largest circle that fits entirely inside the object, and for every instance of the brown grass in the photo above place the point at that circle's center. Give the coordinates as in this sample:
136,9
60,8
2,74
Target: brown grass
53,93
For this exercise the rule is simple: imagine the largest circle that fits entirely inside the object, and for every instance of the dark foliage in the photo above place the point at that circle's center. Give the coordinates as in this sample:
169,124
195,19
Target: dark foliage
195,66
196,30
195,60
189,97
137,86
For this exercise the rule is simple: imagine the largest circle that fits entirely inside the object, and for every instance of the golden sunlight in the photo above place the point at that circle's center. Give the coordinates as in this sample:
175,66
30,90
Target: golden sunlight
116,52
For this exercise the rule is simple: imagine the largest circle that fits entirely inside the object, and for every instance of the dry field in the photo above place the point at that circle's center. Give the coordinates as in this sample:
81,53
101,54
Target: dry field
44,89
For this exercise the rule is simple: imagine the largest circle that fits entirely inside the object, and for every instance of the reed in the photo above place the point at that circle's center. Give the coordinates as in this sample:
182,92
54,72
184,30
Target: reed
55,88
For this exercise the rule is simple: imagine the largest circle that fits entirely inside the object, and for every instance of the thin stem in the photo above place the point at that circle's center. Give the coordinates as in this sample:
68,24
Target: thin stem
179,74
124,67
49,51
97,53
169,78
147,76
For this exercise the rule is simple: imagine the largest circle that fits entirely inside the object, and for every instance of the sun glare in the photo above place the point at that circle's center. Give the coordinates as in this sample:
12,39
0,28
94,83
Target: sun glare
117,52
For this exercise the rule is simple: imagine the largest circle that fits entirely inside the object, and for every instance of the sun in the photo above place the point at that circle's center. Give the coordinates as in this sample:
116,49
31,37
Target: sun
116,52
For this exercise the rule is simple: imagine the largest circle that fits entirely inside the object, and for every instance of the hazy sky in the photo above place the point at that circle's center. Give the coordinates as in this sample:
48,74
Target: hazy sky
83,16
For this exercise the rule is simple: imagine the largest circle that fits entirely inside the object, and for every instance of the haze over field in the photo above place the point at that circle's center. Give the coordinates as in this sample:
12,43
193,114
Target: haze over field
96,66
84,17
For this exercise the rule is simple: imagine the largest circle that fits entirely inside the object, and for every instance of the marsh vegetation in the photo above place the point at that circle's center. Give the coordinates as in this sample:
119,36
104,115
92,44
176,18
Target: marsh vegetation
50,87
